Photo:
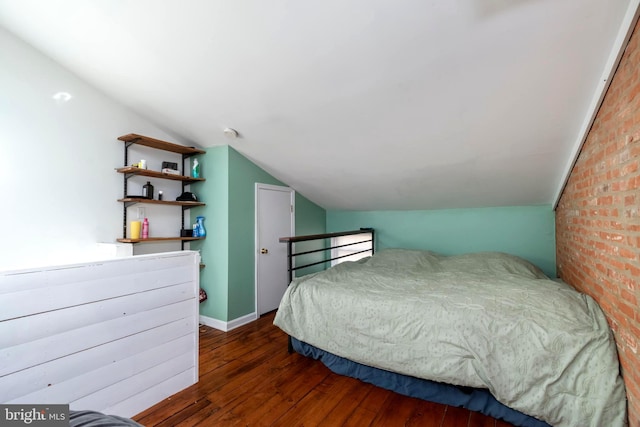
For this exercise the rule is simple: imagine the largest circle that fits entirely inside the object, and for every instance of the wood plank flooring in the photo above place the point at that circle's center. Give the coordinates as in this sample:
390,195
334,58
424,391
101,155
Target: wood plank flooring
247,378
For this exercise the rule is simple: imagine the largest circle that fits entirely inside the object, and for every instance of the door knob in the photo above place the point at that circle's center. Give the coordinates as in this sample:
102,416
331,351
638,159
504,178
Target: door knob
264,251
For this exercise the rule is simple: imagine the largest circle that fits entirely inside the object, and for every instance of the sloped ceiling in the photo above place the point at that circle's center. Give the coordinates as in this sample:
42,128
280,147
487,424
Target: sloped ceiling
357,104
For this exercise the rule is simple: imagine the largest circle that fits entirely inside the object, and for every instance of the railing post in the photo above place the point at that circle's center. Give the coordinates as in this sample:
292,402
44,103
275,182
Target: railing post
290,261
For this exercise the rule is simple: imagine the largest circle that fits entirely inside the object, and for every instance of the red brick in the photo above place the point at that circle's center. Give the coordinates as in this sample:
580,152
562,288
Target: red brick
631,298
597,248
627,310
623,252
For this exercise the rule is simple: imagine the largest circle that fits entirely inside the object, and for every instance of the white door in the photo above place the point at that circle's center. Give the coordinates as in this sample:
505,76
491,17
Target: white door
274,219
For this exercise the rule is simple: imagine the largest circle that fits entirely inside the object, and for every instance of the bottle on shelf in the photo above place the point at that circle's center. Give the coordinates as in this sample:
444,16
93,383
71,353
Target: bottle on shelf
200,223
135,229
195,170
147,190
145,229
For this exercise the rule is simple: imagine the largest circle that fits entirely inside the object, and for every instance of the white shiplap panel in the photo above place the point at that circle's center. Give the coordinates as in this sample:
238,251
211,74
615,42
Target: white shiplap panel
19,386
29,328
85,384
50,298
49,348
135,384
15,281
108,335
145,399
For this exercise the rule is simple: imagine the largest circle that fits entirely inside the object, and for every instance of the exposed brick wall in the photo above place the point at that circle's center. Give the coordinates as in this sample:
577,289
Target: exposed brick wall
598,217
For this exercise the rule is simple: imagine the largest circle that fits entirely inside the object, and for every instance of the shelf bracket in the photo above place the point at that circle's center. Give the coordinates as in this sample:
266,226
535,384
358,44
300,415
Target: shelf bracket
184,157
126,152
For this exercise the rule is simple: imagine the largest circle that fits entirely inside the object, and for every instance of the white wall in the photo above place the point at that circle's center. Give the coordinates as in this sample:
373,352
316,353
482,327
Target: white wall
58,187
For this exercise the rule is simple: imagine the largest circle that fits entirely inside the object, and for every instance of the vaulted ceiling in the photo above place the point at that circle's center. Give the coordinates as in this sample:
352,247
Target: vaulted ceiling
357,104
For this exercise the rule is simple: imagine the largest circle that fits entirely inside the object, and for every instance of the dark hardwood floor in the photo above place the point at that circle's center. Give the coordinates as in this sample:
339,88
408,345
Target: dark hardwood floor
247,378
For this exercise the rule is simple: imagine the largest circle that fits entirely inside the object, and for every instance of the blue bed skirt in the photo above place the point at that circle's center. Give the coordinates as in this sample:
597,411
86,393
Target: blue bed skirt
479,400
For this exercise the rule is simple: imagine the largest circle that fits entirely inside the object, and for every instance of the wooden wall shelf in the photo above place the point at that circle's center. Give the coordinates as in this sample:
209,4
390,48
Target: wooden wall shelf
132,200
160,239
147,141
132,170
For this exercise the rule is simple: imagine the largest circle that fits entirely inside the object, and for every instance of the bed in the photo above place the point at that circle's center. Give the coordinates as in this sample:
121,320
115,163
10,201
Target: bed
487,331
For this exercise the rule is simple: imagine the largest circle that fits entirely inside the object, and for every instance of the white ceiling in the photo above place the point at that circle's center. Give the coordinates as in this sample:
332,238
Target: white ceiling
357,104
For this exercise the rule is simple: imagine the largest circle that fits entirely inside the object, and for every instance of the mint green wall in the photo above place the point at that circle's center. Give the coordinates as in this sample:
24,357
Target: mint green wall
228,251
526,231
243,175
214,249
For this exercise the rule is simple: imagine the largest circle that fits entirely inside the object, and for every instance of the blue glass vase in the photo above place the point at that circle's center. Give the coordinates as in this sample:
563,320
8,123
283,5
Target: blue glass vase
201,231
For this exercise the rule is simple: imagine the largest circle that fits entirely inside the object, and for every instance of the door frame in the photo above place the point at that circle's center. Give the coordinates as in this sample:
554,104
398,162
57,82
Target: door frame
256,249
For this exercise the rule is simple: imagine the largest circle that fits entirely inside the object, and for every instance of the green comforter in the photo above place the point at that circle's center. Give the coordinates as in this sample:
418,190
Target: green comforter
487,320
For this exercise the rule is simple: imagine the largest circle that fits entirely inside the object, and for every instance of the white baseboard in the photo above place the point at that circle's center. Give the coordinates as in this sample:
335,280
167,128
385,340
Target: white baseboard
242,321
227,326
